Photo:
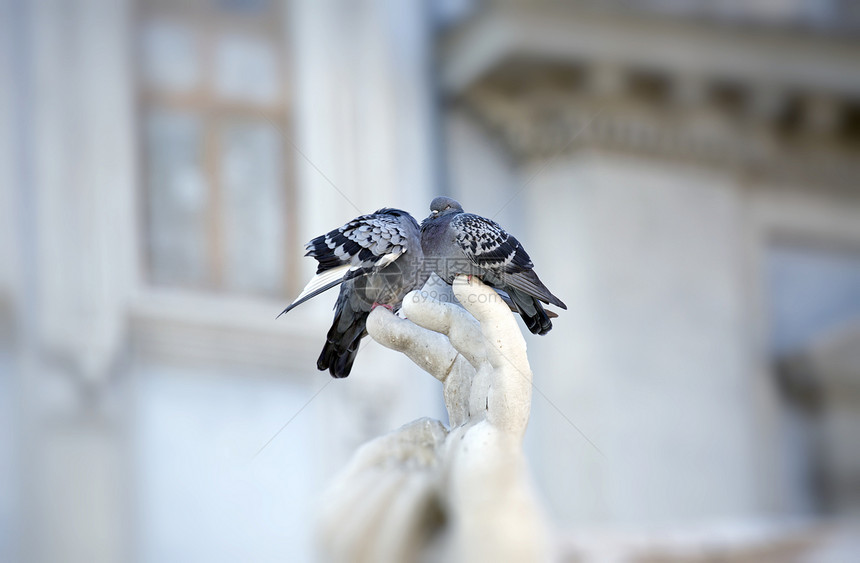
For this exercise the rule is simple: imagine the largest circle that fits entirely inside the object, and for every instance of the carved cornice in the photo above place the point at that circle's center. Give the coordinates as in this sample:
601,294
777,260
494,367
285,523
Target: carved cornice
552,110
775,104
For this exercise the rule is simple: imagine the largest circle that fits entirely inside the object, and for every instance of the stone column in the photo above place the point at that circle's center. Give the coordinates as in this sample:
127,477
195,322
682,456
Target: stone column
74,269
649,261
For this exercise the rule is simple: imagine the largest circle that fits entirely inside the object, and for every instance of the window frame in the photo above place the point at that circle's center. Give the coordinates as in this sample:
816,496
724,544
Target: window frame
214,112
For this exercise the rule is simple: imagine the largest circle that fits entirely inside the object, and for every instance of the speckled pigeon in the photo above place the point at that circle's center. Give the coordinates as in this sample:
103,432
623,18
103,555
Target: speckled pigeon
455,242
377,259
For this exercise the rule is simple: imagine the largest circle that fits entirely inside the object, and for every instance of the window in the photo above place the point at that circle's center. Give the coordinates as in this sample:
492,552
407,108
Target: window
217,186
814,290
814,311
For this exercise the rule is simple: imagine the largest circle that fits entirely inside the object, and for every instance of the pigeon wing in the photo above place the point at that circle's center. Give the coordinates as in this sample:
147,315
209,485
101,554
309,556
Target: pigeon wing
369,242
366,242
486,244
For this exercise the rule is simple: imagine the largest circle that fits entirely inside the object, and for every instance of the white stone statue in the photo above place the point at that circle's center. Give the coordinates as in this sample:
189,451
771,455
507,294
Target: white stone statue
427,493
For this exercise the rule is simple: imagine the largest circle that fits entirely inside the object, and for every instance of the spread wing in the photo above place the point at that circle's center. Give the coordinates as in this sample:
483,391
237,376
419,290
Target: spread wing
366,243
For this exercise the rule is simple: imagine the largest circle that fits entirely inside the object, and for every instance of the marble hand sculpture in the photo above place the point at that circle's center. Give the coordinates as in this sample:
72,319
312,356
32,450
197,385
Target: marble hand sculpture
430,493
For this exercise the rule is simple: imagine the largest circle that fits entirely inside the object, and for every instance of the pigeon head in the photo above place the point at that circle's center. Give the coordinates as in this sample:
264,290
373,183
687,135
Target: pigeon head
444,205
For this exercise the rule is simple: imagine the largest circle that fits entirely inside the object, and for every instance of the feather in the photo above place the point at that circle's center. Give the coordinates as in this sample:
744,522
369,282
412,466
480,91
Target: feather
318,284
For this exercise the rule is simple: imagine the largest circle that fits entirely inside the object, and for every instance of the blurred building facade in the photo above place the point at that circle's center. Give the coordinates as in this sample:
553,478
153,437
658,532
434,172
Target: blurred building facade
689,178
163,164
685,177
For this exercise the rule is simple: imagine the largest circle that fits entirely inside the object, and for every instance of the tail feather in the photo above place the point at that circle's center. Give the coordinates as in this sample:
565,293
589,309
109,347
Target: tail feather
343,365
341,347
513,306
531,311
528,282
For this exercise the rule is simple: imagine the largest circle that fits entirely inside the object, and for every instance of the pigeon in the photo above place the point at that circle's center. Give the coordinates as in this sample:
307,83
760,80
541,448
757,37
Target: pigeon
377,260
455,242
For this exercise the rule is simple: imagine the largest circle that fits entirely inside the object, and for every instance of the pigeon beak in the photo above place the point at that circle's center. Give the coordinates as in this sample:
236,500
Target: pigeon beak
434,212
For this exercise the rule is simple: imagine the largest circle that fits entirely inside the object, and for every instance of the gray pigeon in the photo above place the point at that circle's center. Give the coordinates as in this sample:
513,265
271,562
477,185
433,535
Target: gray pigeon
455,242
377,259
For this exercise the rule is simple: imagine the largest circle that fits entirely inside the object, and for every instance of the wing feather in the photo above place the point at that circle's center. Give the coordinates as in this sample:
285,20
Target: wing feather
488,245
368,241
528,282
365,244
